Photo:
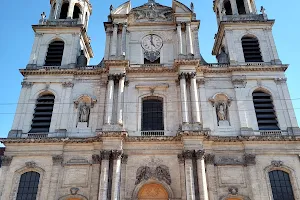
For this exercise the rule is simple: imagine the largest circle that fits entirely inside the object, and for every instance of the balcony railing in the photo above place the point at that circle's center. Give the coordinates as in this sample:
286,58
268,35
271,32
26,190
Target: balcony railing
275,133
250,17
153,133
37,135
60,22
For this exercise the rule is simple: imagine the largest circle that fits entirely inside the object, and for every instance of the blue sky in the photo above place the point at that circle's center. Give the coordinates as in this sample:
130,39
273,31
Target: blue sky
16,39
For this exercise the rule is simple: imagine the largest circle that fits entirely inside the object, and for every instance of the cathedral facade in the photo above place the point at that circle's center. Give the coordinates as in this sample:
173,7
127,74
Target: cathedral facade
153,120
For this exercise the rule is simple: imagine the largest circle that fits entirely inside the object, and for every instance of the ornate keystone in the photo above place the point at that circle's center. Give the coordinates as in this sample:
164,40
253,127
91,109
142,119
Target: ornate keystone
249,159
30,164
96,159
233,190
68,84
200,154
277,163
57,159
117,154
74,191
209,159
6,160
105,154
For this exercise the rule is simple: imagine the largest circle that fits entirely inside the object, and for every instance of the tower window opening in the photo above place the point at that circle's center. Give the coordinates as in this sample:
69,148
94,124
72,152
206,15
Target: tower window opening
251,49
28,186
64,11
42,114
55,53
77,12
227,6
241,7
281,185
152,114
264,109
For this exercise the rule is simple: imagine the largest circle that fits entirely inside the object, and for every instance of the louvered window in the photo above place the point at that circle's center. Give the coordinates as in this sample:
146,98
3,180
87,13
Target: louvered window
281,185
251,49
241,7
42,114
227,6
55,53
265,113
28,186
152,116
64,11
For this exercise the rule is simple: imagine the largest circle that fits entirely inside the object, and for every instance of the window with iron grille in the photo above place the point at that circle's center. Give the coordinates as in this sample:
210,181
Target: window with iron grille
55,53
42,114
281,185
264,109
251,49
28,186
152,114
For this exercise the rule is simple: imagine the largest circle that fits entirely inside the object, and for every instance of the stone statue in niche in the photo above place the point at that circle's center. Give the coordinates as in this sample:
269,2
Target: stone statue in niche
84,113
223,57
222,114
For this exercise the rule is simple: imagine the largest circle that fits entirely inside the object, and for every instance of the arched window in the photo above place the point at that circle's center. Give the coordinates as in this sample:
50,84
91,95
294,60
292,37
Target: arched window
55,53
64,11
227,6
28,186
264,109
281,185
42,114
251,49
76,12
152,114
241,7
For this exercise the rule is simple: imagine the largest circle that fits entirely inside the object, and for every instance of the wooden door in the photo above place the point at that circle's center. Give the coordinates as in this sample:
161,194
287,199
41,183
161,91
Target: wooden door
153,191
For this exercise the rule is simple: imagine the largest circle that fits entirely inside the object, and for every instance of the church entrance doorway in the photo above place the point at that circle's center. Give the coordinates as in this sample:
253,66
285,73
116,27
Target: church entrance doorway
153,191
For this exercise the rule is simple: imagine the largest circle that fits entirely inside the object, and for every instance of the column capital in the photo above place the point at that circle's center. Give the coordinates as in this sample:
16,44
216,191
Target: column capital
105,154
6,160
117,154
124,25
209,159
179,24
188,154
181,75
115,25
188,23
96,159
111,77
57,159
200,154
192,75
180,158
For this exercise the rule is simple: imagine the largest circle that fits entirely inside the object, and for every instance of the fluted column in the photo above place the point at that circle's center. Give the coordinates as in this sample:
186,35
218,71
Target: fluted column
189,176
123,176
56,169
183,95
124,30
195,99
182,176
103,186
189,38
202,182
121,99
96,176
211,176
109,99
117,155
113,48
6,161
179,34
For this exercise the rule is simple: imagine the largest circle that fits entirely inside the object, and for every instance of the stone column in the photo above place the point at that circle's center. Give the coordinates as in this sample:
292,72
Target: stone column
117,155
124,31
103,186
189,39
201,175
234,7
57,9
182,176
109,99
56,169
96,161
211,176
195,99
6,161
123,176
247,6
114,41
189,176
183,94
121,98
179,34
71,9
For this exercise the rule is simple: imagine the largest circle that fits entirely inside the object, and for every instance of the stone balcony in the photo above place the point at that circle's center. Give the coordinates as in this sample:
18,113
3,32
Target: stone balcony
249,17
60,22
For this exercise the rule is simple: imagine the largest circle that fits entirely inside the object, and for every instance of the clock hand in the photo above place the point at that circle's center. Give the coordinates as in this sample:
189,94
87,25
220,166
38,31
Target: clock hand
152,41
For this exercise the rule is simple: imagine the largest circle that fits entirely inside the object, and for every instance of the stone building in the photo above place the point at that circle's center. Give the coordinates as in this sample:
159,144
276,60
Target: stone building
153,120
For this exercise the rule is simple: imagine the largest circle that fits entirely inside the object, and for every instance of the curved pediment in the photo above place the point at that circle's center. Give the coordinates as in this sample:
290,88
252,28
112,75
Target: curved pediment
179,7
122,9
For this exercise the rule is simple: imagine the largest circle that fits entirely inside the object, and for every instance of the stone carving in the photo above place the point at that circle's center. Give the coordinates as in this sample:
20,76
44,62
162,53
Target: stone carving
239,81
117,154
152,55
30,164
223,57
105,154
57,159
262,10
227,160
43,18
222,111
78,161
233,190
279,81
200,154
124,159
68,84
188,154
74,191
222,103
84,113
6,160
26,84
209,159
249,159
96,159
180,158
161,173
277,163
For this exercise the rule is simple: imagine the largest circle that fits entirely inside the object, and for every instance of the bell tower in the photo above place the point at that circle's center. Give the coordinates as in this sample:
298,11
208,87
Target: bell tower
61,41
244,35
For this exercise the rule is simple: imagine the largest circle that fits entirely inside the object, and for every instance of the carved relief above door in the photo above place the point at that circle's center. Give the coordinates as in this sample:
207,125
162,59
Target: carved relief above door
153,191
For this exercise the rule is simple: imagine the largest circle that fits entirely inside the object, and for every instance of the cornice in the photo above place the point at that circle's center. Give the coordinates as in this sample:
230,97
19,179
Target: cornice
155,69
188,62
116,63
43,71
242,68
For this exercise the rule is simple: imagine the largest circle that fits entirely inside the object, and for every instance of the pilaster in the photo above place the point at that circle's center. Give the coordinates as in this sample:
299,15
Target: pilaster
211,176
6,161
117,155
202,182
57,161
189,176
182,176
123,184
103,186
96,164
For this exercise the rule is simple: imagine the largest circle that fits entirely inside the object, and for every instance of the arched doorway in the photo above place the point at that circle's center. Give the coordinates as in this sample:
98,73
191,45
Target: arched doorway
153,191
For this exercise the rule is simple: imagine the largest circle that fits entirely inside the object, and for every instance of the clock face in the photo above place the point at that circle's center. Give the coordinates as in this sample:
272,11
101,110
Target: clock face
152,42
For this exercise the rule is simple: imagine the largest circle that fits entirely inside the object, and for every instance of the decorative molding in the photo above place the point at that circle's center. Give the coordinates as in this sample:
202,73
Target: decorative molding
188,154
229,160
124,159
233,190
117,154
74,191
31,164
26,84
180,158
209,159
96,159
279,81
105,154
57,159
68,84
200,154
6,160
239,81
201,81
160,173
277,163
249,159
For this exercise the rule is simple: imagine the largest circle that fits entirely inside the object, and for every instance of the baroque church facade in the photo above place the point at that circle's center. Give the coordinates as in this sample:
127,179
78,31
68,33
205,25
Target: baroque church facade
153,120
